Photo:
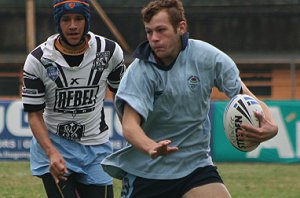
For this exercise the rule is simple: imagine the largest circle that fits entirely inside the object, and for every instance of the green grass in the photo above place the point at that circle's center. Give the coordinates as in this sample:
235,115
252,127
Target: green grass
262,180
242,180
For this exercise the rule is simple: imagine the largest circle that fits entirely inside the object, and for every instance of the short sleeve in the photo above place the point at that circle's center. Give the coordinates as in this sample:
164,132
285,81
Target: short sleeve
227,77
136,89
33,89
119,68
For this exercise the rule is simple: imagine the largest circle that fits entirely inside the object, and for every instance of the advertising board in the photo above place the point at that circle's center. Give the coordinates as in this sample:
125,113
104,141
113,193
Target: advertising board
15,133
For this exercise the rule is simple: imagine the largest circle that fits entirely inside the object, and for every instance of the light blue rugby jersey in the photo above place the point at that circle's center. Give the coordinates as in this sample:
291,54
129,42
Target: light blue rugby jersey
174,104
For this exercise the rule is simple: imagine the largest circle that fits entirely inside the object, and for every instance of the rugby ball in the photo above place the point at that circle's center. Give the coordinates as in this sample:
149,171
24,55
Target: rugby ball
240,109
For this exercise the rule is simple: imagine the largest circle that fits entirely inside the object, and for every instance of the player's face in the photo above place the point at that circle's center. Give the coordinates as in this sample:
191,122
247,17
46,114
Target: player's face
164,40
72,26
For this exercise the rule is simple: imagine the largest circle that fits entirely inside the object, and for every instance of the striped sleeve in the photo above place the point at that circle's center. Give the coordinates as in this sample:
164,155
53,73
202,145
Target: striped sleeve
119,68
33,89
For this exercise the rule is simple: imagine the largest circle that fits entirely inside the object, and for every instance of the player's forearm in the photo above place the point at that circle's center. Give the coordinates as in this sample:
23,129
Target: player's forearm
133,132
40,132
267,113
136,136
266,110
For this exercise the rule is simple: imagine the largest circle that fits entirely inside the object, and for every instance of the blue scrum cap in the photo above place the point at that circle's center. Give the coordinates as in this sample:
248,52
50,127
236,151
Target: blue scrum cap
61,7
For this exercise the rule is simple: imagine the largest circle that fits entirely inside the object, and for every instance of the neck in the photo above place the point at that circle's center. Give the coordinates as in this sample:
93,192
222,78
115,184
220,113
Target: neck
167,60
67,49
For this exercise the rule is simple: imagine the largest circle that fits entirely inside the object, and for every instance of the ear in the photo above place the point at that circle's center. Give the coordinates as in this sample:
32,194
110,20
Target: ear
182,27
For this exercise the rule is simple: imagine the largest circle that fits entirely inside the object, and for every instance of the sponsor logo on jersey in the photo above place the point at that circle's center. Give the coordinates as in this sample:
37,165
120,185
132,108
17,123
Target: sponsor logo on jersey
76,100
193,82
101,61
71,130
75,81
29,91
31,85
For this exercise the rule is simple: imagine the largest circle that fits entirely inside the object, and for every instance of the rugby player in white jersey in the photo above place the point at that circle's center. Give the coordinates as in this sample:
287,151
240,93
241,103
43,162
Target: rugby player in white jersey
65,82
164,100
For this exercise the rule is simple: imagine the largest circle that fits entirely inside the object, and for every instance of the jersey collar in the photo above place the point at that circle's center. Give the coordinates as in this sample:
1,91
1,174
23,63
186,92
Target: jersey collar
143,51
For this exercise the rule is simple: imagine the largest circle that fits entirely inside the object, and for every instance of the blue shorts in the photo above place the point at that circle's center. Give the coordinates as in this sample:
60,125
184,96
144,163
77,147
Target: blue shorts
137,187
81,159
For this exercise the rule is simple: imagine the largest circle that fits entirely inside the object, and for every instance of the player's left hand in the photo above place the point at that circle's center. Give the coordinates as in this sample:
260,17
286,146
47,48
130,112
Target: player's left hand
162,149
266,130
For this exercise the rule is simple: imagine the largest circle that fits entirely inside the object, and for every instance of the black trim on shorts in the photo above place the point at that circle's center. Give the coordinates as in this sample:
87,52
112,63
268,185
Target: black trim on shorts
211,177
176,188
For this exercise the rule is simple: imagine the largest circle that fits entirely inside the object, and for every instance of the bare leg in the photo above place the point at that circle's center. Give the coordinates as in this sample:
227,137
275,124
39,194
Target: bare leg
211,190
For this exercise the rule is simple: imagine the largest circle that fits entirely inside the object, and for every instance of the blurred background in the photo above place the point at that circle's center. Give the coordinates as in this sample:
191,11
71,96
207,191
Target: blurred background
261,36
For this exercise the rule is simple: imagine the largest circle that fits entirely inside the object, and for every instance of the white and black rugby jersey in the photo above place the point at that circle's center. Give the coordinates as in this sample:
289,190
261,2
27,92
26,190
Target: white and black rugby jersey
72,97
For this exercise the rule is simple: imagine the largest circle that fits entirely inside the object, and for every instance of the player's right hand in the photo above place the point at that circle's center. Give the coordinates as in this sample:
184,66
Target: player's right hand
58,168
162,149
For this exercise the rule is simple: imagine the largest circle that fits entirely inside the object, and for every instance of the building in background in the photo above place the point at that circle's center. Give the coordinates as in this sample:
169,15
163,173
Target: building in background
262,37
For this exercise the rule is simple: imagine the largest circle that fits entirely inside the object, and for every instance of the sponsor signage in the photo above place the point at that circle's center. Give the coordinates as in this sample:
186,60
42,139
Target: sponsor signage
15,133
283,148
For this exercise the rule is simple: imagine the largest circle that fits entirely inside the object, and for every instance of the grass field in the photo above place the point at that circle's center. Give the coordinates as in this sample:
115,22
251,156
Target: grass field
242,180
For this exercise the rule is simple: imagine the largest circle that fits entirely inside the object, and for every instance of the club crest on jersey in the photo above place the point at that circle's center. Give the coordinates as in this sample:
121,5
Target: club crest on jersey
193,82
71,130
51,68
101,61
52,72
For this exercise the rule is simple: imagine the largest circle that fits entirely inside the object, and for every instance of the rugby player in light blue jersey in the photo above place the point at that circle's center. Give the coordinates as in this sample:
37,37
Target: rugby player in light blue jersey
65,81
164,100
